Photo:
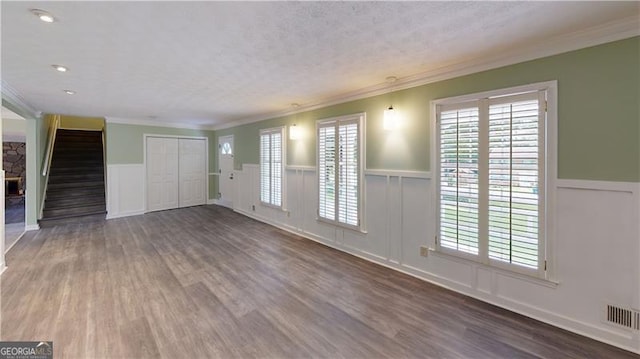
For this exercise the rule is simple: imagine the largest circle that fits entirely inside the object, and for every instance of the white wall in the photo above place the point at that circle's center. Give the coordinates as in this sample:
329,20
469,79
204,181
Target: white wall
595,254
125,190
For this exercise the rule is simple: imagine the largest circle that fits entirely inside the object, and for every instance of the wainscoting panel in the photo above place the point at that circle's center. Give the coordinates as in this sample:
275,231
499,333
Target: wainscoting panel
417,227
377,205
125,190
594,249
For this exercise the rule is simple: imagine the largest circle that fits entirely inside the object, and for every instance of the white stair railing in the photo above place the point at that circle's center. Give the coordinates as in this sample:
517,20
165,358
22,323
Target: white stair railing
46,164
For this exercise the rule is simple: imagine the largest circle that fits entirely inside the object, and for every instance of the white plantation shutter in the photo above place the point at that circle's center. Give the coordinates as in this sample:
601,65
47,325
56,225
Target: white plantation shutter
459,179
276,169
349,172
491,179
271,166
265,172
339,171
327,172
514,173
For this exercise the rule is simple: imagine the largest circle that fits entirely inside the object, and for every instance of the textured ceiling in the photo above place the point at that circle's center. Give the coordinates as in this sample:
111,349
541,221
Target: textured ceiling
208,63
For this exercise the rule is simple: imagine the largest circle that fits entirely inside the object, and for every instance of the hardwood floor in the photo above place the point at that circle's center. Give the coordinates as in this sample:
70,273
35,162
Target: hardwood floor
205,282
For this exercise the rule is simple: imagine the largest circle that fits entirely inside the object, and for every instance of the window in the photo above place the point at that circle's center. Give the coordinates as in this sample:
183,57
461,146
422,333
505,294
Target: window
491,179
271,171
226,149
339,170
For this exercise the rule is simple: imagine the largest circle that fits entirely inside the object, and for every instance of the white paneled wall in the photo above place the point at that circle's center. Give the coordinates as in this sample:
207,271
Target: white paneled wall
595,255
125,190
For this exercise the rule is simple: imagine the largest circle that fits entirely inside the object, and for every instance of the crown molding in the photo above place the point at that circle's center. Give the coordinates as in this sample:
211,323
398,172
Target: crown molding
17,103
148,122
612,31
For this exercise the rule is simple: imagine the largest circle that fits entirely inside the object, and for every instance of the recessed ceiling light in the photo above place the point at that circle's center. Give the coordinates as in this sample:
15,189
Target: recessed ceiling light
60,68
43,15
69,92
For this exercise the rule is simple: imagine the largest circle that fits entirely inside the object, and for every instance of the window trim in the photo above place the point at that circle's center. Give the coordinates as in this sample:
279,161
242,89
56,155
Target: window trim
265,131
360,118
550,159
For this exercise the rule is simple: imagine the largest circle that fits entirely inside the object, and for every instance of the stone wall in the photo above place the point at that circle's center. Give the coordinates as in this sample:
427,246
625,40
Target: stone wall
13,161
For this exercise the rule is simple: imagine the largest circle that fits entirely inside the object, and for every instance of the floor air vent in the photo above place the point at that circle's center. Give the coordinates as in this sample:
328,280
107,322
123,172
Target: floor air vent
623,317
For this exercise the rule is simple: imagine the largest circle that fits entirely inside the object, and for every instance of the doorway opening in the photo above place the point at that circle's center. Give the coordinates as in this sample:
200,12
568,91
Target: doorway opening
14,154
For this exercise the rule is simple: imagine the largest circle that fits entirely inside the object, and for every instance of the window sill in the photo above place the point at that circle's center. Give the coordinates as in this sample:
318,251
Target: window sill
547,282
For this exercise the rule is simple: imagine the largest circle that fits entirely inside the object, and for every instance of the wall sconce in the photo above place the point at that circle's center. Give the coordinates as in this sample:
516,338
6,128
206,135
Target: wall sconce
294,132
390,121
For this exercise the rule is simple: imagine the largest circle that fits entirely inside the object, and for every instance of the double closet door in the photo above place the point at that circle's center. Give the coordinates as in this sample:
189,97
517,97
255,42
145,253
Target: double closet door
176,172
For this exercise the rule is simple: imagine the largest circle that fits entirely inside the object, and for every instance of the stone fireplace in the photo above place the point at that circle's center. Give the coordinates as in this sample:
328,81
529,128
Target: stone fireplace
14,165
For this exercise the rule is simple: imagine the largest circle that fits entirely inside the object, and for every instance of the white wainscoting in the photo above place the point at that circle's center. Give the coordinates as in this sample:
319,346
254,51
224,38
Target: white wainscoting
595,258
125,190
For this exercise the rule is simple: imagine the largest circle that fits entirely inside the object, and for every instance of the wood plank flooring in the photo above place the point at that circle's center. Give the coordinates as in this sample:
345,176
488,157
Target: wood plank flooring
205,282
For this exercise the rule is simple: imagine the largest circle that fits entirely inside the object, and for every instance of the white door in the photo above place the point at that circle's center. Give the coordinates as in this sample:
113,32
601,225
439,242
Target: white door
225,161
193,176
162,173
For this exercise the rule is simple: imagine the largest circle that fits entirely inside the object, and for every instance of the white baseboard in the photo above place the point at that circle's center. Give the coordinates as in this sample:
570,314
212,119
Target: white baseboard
224,203
32,227
3,268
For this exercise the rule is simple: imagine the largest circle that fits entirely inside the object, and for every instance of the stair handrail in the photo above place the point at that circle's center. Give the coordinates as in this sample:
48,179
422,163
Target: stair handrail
46,165
104,164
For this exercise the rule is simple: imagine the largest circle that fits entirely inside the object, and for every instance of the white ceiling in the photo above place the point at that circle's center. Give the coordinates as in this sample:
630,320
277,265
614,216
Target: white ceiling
210,63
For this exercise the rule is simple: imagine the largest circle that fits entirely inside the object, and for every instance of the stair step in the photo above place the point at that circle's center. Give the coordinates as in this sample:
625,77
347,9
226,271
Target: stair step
75,141
79,133
60,171
75,192
74,161
78,178
62,143
71,149
76,195
66,163
75,184
77,154
77,145
73,211
64,220
59,203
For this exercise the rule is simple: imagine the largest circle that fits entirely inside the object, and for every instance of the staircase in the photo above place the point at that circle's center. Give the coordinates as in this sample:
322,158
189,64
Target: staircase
75,190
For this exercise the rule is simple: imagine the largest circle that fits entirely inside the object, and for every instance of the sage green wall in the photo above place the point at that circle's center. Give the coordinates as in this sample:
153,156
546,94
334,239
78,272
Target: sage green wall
125,144
598,115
